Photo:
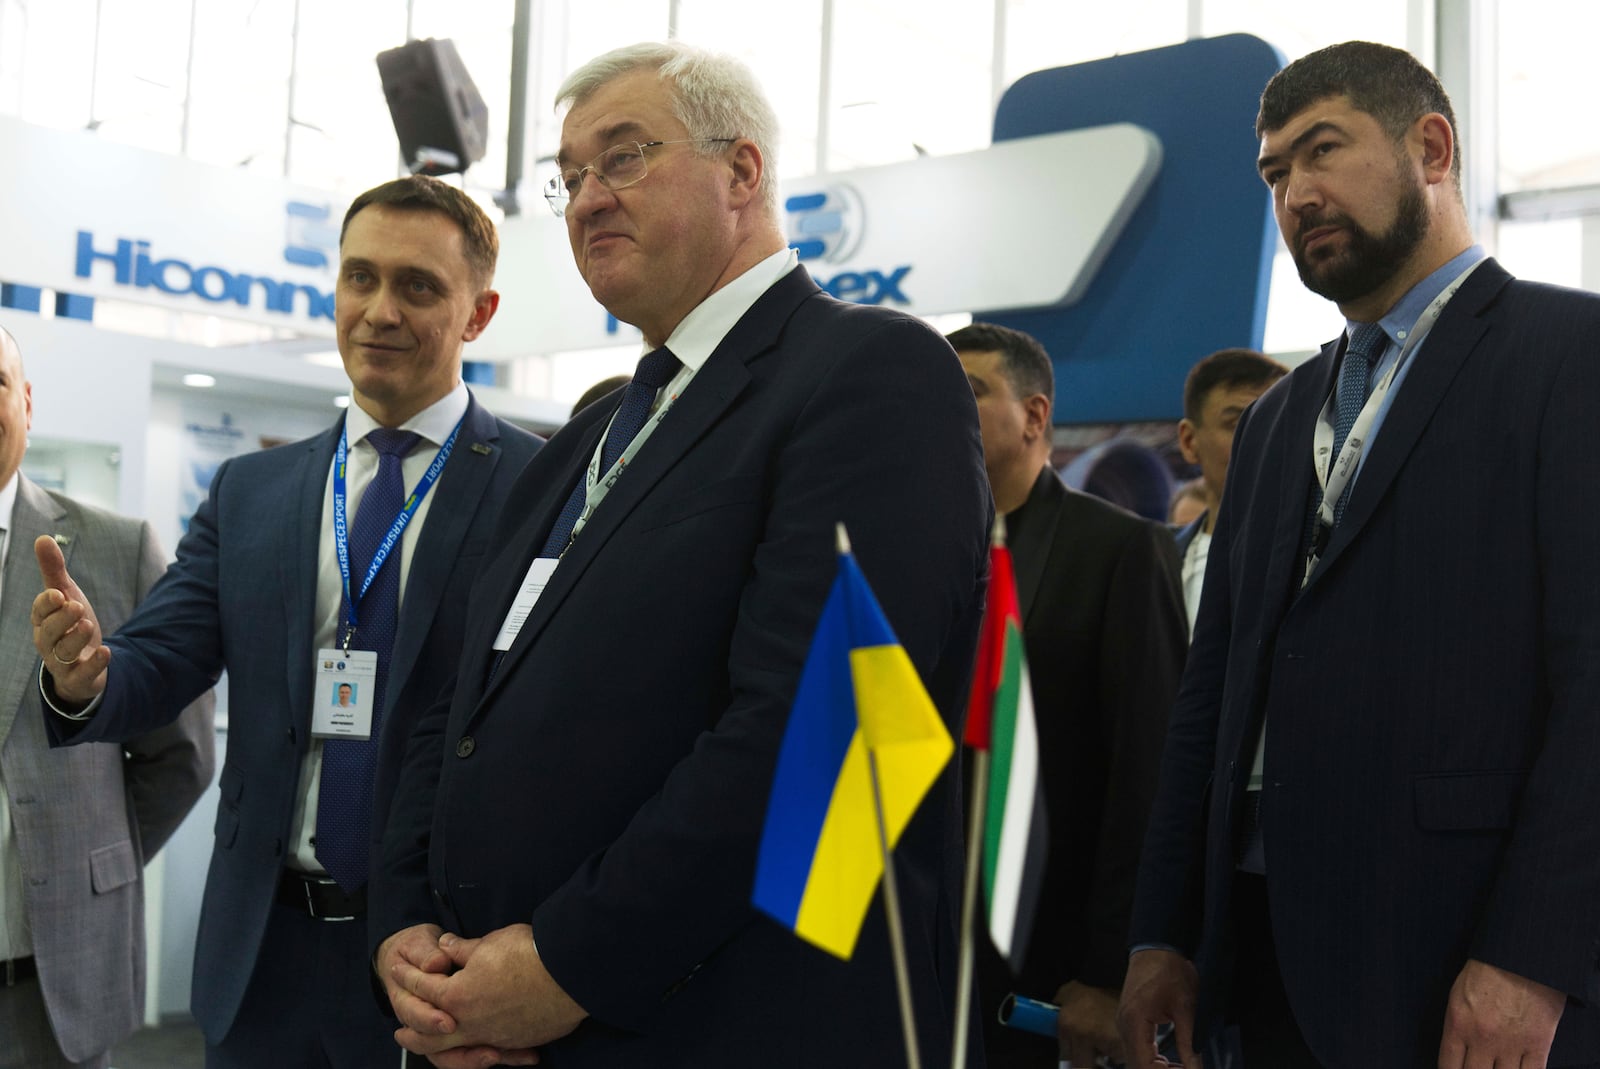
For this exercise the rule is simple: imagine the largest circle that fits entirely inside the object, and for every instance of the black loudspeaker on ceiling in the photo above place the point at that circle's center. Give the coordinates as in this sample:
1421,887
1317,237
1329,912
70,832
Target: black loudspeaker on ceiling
439,116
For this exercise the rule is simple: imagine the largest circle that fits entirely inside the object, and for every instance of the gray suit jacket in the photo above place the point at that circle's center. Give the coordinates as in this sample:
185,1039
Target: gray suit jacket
87,818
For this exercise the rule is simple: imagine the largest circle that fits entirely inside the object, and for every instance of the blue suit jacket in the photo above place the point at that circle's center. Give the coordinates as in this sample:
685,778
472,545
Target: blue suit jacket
241,597
1431,697
611,784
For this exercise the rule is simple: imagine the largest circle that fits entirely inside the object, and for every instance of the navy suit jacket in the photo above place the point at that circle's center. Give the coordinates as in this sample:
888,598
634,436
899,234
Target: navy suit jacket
241,597
1431,697
609,786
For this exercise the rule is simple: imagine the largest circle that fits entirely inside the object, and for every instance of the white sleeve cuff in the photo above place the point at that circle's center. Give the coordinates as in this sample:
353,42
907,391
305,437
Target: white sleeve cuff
47,692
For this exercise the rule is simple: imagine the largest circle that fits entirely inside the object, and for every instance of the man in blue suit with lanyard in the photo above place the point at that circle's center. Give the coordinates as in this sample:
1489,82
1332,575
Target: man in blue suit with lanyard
1374,841
340,562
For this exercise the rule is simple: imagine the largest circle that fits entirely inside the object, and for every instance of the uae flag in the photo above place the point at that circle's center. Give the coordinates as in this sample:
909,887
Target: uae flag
1000,726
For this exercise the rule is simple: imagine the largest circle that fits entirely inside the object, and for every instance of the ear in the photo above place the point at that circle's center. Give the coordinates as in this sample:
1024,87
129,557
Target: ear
483,309
1438,146
1186,432
746,168
1036,410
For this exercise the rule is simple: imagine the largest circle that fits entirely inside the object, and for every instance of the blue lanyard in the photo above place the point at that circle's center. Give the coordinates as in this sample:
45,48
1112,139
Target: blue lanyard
396,529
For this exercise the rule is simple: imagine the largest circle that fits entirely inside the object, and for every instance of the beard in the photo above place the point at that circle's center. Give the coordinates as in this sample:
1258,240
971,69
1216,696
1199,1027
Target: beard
1368,260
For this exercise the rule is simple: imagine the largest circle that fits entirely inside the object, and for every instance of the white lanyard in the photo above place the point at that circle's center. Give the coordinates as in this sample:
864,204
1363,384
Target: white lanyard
541,568
596,487
1335,473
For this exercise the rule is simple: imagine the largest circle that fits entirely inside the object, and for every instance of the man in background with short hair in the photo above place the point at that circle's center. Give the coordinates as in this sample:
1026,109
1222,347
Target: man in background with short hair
1102,623
1216,393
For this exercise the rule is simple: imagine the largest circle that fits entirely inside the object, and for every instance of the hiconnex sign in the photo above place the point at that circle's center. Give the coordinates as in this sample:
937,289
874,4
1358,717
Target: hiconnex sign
1024,224
133,265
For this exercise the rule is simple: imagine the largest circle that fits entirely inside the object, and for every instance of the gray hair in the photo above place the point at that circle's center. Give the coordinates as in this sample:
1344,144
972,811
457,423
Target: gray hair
713,95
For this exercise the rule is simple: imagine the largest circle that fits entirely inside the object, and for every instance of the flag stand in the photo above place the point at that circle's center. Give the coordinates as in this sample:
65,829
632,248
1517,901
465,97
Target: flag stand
897,939
969,906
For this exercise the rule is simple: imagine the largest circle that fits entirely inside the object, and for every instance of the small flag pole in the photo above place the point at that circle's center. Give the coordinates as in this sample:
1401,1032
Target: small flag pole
897,939
969,906
969,890
891,894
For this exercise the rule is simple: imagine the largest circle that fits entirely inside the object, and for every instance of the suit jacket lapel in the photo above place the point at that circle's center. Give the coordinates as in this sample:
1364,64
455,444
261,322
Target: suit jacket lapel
1309,391
1030,549
506,565
307,486
713,388
456,496
1447,348
35,514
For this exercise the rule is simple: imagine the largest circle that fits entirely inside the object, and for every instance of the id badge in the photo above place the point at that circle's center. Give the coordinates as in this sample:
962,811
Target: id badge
533,585
345,684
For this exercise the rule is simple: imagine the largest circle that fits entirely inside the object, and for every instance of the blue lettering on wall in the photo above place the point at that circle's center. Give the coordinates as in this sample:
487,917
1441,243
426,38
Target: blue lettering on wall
868,287
132,265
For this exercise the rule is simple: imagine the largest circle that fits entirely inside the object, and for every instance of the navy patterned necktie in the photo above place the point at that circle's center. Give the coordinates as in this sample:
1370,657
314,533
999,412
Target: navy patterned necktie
344,799
1366,343
655,370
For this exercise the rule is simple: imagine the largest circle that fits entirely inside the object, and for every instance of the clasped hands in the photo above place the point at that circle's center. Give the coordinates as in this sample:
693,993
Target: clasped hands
472,1003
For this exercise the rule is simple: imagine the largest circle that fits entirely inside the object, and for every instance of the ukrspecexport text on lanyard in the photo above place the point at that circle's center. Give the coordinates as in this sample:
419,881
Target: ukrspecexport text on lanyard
396,529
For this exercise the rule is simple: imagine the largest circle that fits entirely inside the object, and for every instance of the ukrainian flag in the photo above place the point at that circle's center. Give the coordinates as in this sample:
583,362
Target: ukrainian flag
820,859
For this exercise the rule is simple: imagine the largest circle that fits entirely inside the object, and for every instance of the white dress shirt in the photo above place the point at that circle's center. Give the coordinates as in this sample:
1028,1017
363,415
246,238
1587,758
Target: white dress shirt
434,424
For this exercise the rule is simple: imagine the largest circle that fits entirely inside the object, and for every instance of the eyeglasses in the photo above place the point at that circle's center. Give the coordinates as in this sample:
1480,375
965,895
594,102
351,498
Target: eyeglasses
618,167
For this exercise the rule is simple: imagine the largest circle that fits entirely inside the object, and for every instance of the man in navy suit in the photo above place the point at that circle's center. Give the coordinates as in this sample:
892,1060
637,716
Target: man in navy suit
281,967
572,854
1374,841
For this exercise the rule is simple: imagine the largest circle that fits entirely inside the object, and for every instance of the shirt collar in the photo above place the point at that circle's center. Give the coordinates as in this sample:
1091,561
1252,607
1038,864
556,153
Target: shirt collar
433,423
8,500
703,329
1408,309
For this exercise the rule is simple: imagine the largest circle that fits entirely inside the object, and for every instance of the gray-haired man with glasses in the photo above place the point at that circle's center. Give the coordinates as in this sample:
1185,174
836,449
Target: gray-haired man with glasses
572,868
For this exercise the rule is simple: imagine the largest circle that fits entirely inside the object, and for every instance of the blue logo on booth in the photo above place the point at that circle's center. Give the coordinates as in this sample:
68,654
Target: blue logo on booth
826,225
308,237
825,228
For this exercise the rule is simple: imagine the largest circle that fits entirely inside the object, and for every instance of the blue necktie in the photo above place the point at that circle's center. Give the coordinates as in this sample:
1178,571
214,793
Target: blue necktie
1367,342
655,370
344,800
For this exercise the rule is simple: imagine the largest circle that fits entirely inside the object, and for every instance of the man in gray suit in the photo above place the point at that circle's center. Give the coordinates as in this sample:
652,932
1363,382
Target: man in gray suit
76,825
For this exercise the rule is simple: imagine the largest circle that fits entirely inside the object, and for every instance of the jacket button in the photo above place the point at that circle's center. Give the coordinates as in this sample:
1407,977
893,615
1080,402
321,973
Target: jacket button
465,747
290,733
